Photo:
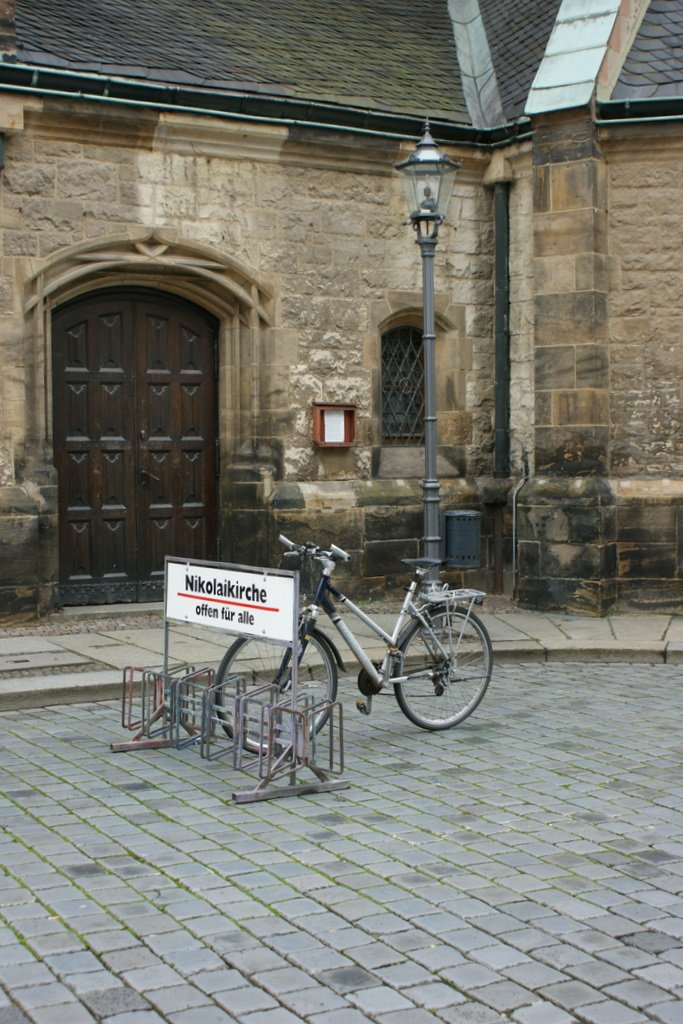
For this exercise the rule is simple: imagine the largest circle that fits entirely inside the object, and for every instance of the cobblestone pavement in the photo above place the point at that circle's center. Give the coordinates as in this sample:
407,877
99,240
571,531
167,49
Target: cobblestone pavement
526,866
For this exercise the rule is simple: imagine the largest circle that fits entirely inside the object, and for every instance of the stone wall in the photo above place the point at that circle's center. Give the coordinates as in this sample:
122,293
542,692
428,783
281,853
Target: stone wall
295,240
601,522
645,175
306,231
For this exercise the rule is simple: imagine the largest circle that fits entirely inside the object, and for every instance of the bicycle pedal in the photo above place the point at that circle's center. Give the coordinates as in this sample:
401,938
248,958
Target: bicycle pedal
364,706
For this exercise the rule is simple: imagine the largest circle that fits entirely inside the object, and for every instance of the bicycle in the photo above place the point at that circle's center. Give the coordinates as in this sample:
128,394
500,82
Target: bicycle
438,657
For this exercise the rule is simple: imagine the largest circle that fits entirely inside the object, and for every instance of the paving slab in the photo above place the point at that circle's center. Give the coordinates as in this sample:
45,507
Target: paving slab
642,627
13,645
28,660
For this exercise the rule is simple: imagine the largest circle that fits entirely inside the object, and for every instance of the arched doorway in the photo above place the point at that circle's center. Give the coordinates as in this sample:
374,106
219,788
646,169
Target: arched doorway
134,430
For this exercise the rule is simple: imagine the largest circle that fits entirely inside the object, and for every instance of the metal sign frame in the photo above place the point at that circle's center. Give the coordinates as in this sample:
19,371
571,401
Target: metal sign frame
241,601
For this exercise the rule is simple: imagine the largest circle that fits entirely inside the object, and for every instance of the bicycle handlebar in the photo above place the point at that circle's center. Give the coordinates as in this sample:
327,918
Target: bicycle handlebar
333,552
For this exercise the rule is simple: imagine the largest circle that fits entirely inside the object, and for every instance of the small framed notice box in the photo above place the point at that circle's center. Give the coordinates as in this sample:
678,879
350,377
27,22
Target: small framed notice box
334,426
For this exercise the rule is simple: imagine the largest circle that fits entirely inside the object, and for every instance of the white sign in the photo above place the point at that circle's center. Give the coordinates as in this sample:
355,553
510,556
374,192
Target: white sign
245,601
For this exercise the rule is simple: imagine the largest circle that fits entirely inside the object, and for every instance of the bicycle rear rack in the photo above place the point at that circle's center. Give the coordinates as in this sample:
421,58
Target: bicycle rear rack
448,596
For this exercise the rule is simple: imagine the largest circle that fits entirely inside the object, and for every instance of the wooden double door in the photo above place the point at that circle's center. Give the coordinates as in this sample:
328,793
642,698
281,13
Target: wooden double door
134,400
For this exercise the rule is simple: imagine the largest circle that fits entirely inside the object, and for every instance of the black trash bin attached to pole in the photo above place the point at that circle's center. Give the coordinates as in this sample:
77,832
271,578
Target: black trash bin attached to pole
462,539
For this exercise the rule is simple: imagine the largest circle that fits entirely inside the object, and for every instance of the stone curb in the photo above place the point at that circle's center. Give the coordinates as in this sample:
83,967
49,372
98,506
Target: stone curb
17,693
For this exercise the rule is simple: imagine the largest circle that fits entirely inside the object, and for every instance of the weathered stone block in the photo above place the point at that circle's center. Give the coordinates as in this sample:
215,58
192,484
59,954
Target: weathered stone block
640,524
555,274
585,405
343,528
650,561
571,451
388,492
664,596
592,597
547,524
570,232
592,366
590,525
288,496
558,139
387,525
245,538
19,604
529,559
555,366
541,188
245,494
578,184
29,179
384,557
541,592
572,561
592,272
572,319
567,549
543,408
22,571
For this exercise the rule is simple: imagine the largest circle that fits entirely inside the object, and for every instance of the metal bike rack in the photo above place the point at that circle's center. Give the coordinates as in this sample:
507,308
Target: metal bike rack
183,707
159,704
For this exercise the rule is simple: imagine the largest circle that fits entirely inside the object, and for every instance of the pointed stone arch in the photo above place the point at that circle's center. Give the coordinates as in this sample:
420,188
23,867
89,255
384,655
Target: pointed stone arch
159,260
154,259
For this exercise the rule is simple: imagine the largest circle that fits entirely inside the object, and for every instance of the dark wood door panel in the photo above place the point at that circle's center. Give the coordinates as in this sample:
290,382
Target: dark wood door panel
134,430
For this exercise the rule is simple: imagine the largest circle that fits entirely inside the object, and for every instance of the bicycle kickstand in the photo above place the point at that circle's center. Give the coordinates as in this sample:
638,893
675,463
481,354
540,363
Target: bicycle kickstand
364,706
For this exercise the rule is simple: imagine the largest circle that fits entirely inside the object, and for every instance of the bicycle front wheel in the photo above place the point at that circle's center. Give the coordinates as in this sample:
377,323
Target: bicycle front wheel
250,664
448,667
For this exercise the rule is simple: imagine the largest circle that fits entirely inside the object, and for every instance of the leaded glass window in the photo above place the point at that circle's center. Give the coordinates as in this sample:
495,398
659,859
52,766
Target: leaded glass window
402,387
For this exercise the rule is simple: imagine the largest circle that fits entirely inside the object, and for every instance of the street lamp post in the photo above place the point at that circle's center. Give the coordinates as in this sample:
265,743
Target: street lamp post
428,176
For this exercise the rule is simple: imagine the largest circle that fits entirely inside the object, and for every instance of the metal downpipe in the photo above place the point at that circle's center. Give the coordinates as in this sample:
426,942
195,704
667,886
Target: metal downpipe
501,444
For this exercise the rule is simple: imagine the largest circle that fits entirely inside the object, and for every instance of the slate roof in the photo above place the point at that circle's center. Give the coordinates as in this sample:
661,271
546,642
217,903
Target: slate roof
382,55
654,66
518,33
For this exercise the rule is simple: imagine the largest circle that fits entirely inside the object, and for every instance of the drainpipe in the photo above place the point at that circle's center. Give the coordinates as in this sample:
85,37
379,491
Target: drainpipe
501,444
501,219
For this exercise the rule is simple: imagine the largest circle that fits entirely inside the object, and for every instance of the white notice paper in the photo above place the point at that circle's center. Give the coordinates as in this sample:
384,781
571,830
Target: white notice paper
334,426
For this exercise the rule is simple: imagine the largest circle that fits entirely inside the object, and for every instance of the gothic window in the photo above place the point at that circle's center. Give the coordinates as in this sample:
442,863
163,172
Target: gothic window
402,387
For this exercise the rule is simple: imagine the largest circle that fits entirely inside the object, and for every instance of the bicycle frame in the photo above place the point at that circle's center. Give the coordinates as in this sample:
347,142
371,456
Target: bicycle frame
322,599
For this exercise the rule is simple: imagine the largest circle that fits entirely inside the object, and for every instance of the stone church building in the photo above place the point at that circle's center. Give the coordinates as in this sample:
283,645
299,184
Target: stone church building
205,264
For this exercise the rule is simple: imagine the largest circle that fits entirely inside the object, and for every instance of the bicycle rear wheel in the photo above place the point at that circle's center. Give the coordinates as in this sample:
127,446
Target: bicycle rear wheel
449,668
251,663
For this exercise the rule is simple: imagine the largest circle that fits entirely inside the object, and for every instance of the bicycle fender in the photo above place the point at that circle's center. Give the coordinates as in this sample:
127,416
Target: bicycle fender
331,647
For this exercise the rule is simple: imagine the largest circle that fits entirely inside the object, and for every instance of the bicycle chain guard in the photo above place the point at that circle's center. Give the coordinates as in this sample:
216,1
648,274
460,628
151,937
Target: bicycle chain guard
366,684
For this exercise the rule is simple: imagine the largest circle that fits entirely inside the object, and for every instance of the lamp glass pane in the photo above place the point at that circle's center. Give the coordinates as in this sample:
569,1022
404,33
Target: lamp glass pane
428,186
